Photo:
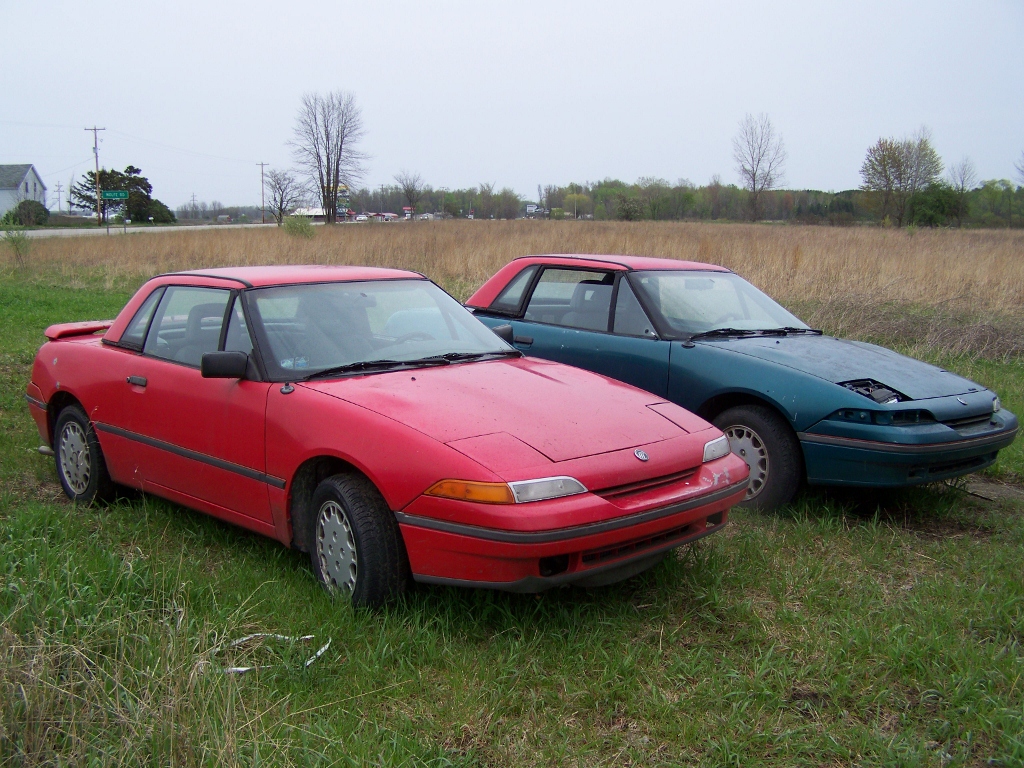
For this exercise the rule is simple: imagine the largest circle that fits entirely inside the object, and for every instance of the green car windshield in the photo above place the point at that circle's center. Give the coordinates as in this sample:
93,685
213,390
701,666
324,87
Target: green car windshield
690,302
325,326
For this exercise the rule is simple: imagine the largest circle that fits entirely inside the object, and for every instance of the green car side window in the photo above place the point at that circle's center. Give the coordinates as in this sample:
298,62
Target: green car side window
630,318
508,300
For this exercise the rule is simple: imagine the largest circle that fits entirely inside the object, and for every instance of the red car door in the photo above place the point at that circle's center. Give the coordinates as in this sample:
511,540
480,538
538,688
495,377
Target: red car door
199,439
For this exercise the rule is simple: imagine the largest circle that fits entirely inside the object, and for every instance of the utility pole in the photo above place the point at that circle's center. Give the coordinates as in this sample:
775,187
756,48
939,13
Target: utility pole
263,188
96,152
59,188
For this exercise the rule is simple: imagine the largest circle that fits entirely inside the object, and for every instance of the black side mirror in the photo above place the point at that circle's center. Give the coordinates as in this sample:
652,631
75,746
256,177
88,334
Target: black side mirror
503,332
224,365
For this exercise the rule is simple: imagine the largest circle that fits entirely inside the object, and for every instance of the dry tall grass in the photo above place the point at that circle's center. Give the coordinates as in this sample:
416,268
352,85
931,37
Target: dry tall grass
841,279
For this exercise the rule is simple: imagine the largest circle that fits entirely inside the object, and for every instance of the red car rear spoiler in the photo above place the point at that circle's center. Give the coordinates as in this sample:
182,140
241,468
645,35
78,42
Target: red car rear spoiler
65,330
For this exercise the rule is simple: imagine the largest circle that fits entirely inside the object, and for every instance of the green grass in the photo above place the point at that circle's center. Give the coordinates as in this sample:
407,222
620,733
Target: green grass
835,632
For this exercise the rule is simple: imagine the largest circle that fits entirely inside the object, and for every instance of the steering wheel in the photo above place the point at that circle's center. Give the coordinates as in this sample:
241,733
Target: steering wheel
414,336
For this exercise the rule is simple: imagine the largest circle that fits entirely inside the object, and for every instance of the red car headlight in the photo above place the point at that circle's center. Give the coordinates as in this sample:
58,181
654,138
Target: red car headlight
716,449
518,492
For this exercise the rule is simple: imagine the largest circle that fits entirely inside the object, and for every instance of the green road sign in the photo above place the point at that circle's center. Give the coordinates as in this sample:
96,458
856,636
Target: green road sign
114,194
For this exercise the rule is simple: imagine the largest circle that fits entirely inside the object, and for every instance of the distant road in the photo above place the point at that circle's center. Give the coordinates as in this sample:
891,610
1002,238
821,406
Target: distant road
117,230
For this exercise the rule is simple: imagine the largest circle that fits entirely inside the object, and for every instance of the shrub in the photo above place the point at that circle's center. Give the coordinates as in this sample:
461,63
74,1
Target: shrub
27,213
17,241
299,226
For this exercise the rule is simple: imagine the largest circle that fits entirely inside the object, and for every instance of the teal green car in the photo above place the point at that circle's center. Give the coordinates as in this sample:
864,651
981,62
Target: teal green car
797,405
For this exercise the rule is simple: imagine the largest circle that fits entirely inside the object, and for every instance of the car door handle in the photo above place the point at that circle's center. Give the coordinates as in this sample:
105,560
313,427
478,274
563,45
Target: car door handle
138,381
524,340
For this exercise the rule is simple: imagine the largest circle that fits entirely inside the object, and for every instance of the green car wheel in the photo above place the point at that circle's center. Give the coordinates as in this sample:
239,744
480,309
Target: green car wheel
766,443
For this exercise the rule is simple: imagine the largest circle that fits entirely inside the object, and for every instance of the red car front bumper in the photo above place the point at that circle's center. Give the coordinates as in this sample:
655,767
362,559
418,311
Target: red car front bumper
446,552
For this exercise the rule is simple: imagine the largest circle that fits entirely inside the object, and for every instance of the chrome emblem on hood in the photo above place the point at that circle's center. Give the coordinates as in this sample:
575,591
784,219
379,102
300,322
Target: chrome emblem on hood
961,401
642,455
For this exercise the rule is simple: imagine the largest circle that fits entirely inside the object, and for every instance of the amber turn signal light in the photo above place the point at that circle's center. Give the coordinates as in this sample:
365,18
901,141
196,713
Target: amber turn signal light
485,493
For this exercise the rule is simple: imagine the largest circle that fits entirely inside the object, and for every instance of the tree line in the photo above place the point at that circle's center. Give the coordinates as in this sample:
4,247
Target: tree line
902,184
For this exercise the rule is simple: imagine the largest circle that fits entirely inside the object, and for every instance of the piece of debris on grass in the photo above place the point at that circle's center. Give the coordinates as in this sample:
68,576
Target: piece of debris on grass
239,670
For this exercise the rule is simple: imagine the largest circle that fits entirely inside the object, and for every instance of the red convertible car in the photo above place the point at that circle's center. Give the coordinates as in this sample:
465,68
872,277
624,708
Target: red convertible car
364,416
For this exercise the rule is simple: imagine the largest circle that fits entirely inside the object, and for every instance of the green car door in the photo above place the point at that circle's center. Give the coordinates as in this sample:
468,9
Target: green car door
592,319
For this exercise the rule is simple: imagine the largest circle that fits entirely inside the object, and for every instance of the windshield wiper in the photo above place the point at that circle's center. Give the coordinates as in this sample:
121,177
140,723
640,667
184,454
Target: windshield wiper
792,329
375,365
746,332
459,357
722,332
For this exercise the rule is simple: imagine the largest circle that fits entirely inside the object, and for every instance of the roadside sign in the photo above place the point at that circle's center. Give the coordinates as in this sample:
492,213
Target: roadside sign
114,194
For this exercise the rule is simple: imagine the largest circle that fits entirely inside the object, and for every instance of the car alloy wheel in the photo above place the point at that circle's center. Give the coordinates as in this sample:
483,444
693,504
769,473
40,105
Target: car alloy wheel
74,458
336,547
749,446
767,443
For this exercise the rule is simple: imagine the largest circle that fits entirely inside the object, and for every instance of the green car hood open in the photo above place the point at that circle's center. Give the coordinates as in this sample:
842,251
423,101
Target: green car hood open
841,360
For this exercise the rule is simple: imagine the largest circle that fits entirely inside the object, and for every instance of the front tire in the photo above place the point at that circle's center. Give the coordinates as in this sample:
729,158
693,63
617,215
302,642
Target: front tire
80,464
760,437
355,546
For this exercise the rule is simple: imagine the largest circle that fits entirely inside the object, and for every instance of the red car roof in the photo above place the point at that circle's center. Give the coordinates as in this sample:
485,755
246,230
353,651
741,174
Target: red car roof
629,262
489,291
254,277
286,275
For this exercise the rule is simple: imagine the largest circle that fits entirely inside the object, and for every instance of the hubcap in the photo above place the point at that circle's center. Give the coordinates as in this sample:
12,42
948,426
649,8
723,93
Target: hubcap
336,547
749,446
75,462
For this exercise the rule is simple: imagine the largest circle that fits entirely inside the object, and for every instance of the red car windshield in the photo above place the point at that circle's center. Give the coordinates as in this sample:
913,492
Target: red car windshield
692,302
325,326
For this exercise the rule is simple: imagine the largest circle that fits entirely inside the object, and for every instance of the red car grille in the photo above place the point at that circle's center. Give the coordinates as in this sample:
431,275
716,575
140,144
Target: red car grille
642,486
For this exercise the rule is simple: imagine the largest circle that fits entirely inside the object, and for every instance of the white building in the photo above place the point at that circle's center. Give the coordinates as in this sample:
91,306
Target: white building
17,183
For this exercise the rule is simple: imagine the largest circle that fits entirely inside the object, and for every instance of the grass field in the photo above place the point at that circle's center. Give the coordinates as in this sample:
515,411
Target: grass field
845,630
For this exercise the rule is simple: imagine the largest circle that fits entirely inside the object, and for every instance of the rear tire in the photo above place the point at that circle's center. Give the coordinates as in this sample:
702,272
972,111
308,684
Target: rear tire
764,440
355,546
80,464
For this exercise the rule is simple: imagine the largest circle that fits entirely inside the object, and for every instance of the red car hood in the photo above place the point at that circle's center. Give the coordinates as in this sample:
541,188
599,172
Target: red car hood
560,412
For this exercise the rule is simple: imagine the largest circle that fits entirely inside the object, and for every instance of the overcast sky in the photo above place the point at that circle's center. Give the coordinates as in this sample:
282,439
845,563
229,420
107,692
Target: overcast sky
518,94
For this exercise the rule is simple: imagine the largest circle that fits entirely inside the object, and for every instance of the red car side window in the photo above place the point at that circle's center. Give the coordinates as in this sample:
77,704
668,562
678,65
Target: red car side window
135,335
187,324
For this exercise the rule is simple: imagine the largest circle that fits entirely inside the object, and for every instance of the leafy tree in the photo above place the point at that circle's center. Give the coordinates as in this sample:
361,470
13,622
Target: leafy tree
577,204
934,206
630,208
159,213
896,170
140,200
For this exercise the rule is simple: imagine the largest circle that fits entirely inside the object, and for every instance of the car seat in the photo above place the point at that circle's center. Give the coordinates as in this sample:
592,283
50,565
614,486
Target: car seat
590,306
200,339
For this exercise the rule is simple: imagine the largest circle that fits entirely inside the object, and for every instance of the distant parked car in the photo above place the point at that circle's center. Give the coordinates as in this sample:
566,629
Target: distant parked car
362,217
364,416
795,403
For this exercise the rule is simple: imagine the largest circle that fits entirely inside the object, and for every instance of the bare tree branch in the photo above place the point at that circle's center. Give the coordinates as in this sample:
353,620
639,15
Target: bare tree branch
962,178
412,187
760,156
327,130
284,194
